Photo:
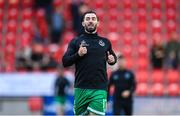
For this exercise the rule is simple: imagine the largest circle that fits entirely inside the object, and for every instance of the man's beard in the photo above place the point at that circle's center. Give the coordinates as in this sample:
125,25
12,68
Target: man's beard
90,30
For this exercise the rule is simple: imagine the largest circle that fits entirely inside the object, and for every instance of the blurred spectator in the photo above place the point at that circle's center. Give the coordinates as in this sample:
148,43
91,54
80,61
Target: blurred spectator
22,56
157,54
35,60
57,25
172,52
37,36
124,83
61,85
48,62
78,8
46,5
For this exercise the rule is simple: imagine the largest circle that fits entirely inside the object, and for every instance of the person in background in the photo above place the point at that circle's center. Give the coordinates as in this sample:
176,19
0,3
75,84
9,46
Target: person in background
157,55
61,86
47,5
57,25
124,84
35,60
172,52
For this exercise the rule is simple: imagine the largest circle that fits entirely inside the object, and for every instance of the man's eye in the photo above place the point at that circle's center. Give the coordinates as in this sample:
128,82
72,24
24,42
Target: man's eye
87,18
93,18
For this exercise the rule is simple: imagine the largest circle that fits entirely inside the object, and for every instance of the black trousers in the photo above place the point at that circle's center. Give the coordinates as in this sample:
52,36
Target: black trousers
123,106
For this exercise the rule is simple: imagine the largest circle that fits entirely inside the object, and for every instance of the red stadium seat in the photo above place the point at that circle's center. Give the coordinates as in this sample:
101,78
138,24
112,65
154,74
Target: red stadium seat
127,26
114,38
9,67
157,38
156,26
157,89
25,40
171,26
101,14
13,14
27,3
68,36
171,14
142,63
156,14
1,41
142,26
142,51
142,76
99,4
43,29
142,38
156,4
141,4
113,4
9,54
127,39
13,3
170,3
173,76
129,62
113,15
142,89
10,39
127,14
1,26
40,14
57,3
2,4
1,14
127,4
127,51
113,26
27,26
27,14
141,14
12,26
35,104
157,76
173,90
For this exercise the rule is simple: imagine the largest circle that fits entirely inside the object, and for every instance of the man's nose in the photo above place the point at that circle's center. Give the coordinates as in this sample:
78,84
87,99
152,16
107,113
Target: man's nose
91,20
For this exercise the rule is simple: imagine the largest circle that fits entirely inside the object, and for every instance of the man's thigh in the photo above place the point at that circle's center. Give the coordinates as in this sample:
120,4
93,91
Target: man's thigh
98,102
81,101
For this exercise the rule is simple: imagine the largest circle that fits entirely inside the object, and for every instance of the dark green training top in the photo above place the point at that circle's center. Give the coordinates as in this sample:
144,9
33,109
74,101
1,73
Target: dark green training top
91,68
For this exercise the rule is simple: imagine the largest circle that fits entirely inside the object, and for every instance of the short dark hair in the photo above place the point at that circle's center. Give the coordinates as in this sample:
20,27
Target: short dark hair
88,12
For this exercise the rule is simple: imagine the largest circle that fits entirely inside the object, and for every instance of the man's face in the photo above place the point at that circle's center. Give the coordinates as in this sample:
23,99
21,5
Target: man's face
90,22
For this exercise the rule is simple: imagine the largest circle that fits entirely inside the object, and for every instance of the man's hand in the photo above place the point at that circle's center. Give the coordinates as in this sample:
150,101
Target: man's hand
110,58
125,93
82,50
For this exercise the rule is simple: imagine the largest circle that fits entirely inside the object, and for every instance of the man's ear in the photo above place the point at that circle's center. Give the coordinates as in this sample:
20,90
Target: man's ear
83,24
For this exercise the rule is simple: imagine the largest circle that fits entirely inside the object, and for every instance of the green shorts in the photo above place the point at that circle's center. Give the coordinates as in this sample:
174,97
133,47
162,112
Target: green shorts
87,100
60,99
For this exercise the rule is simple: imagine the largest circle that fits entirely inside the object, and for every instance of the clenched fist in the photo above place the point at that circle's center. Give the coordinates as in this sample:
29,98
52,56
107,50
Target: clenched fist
111,58
82,50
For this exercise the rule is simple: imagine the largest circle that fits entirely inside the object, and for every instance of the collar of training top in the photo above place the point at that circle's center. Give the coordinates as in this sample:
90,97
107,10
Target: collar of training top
91,34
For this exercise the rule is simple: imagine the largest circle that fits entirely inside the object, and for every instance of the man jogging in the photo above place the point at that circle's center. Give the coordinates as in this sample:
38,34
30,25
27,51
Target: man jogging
89,52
